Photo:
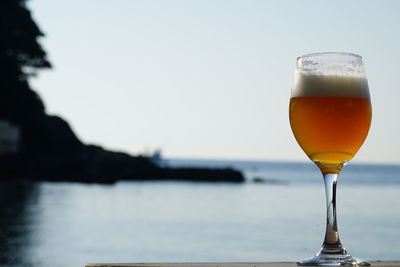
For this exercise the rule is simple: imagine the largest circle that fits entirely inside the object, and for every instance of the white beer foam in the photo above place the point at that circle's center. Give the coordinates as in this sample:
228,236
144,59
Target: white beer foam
330,85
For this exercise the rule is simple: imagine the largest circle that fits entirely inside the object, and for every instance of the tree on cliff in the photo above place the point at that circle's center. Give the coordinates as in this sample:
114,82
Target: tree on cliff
19,46
21,56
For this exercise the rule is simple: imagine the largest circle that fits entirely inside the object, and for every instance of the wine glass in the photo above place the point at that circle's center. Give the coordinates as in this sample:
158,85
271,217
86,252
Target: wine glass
330,115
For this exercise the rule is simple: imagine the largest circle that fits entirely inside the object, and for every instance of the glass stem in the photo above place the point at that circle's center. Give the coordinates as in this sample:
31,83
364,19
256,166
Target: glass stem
331,243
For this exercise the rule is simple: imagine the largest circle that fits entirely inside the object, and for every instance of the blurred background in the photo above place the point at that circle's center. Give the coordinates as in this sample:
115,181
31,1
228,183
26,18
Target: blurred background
158,131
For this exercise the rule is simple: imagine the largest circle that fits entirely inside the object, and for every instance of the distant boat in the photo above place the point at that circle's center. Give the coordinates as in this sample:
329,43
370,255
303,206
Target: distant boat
156,158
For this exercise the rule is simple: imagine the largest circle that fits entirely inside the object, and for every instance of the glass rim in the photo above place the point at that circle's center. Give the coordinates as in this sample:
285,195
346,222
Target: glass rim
330,53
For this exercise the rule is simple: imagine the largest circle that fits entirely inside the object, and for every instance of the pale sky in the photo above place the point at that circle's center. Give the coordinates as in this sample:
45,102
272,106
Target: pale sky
209,79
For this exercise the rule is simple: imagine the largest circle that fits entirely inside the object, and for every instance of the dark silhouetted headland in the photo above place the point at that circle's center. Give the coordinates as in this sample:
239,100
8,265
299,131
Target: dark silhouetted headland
37,146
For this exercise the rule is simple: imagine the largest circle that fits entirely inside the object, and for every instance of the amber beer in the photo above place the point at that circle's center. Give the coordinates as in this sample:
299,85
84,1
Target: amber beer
330,117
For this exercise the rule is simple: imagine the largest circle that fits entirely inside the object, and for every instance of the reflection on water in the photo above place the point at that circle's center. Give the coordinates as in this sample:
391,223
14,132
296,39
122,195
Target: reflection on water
17,216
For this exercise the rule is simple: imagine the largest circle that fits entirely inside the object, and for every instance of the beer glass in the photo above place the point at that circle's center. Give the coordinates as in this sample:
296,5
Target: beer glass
330,115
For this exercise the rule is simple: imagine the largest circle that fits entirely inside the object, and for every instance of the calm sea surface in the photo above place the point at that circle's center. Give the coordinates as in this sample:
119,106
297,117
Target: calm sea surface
70,224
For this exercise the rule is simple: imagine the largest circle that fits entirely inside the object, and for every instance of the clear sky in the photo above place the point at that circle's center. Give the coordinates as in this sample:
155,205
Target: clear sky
209,78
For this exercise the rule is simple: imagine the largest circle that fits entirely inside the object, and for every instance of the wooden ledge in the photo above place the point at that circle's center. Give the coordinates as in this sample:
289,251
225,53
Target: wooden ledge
226,264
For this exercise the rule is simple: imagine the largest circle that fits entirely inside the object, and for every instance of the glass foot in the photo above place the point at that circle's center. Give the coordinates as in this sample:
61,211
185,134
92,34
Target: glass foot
333,260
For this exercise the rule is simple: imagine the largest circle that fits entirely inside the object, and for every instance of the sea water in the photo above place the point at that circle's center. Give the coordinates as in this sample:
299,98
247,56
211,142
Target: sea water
279,218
